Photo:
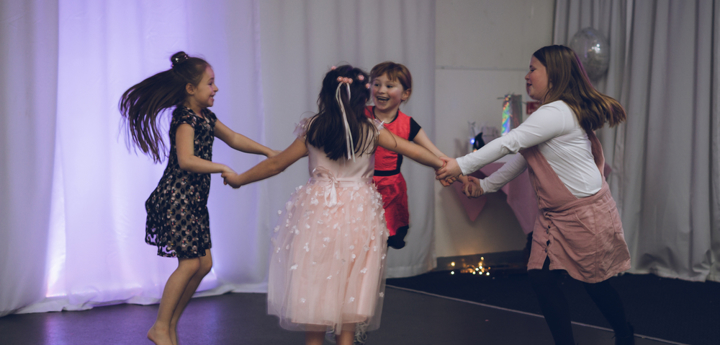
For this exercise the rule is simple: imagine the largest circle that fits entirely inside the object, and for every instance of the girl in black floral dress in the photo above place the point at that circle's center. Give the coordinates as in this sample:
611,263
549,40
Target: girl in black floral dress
177,220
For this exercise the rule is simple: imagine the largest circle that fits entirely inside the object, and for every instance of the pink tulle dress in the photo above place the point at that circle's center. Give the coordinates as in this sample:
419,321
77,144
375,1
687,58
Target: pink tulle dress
329,247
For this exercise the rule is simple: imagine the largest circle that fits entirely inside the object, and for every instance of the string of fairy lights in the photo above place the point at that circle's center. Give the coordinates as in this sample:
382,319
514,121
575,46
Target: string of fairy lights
470,268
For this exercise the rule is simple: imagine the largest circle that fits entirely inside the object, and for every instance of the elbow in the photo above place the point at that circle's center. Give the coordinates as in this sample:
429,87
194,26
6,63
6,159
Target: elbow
278,170
275,166
184,164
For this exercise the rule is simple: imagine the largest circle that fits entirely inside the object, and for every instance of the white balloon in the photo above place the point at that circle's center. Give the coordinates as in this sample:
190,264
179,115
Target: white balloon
593,50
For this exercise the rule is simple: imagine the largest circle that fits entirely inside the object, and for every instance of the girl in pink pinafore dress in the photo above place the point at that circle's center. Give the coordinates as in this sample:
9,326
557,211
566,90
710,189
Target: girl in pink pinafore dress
578,229
329,247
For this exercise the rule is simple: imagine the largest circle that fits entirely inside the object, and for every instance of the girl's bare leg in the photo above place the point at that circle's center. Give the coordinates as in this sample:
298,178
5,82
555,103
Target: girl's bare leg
205,266
347,336
159,333
314,338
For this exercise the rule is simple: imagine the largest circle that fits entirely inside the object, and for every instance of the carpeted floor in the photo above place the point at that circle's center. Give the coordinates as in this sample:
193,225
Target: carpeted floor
672,309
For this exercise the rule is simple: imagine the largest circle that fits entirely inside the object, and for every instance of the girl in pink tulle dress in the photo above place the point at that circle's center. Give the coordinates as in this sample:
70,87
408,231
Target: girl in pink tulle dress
329,248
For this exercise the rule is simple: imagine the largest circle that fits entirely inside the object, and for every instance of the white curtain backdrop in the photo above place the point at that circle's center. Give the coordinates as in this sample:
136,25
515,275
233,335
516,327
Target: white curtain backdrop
28,94
72,195
666,178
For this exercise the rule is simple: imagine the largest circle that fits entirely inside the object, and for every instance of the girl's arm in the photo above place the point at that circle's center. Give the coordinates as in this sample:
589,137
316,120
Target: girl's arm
269,167
496,180
422,139
392,142
188,161
548,122
240,142
508,172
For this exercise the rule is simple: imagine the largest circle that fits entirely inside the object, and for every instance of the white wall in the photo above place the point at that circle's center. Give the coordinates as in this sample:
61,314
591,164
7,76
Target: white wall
483,49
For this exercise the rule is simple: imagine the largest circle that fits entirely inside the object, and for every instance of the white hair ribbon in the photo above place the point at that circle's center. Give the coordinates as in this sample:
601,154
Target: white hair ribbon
348,135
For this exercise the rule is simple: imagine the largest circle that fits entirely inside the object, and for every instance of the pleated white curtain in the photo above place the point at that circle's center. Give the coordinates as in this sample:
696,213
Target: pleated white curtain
666,171
28,94
72,195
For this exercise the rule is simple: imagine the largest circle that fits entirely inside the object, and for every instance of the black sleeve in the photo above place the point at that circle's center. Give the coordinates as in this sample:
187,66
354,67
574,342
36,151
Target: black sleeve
414,129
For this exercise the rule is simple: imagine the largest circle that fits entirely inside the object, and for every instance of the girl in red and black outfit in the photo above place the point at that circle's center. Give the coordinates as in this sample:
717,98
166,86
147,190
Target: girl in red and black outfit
391,85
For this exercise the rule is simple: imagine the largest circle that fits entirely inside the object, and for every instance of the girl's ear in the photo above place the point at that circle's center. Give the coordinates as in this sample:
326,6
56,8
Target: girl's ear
406,95
190,88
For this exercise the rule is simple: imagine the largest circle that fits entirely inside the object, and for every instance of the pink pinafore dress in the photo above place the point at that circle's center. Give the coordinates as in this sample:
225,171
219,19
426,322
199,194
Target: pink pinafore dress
583,236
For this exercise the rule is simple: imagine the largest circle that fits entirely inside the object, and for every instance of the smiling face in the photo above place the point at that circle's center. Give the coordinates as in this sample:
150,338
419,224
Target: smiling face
388,94
202,95
536,80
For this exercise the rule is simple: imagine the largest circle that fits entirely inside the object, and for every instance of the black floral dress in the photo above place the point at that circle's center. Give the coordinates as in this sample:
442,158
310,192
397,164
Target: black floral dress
177,216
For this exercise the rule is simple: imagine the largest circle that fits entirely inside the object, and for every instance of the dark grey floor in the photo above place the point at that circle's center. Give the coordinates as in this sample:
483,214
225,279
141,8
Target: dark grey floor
408,318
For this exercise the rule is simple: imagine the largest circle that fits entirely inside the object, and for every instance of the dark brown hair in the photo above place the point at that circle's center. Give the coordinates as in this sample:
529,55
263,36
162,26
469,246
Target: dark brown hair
141,104
394,71
326,130
568,82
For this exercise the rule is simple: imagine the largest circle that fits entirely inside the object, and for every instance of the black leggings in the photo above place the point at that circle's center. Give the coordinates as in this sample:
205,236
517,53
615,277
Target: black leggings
546,284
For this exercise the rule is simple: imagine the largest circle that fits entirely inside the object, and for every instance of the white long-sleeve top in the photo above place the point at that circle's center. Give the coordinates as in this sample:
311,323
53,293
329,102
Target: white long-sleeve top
559,137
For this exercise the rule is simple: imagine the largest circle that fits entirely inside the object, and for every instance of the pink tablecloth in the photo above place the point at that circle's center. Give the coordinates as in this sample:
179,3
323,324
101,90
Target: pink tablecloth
520,196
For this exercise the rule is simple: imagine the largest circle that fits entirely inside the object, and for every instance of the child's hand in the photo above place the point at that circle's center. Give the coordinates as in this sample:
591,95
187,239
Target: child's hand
448,181
232,179
449,170
226,170
472,188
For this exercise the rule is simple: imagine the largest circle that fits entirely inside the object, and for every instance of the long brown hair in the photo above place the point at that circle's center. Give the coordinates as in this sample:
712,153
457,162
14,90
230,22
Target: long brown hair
141,104
326,130
568,82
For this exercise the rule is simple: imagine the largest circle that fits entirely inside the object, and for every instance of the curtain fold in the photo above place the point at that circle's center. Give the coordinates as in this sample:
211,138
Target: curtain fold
715,149
71,192
609,17
28,94
665,157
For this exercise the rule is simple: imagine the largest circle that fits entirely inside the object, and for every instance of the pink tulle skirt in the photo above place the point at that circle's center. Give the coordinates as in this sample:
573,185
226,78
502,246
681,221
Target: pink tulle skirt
328,257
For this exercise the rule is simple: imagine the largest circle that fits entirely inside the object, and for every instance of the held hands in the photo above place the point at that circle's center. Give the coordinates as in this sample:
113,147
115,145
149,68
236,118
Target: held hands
472,188
450,171
448,181
230,177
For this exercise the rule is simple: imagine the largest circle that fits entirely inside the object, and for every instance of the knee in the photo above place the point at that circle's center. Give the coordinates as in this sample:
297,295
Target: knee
205,266
190,266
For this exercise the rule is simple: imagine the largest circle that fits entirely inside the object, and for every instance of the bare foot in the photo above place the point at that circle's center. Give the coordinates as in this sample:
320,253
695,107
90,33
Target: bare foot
159,337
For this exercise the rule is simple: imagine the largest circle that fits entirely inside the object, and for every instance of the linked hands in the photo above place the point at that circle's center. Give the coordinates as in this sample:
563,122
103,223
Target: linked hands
451,172
472,188
231,178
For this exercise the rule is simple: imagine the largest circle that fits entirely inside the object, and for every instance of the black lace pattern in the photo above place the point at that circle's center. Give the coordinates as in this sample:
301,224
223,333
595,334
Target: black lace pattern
178,222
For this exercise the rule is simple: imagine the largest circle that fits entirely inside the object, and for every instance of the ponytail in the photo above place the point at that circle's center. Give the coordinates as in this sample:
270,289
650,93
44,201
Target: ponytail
143,103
